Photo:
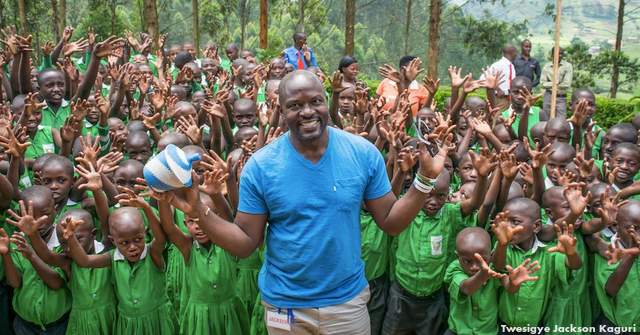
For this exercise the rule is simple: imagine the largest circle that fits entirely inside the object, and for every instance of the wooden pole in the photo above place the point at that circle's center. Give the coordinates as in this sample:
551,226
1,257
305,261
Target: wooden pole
556,61
264,24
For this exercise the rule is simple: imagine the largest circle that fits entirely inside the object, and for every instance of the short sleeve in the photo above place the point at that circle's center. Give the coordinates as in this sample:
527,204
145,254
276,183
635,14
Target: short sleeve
561,271
378,183
251,196
454,276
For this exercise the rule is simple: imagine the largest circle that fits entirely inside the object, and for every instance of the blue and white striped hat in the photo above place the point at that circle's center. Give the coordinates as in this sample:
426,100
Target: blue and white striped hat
170,169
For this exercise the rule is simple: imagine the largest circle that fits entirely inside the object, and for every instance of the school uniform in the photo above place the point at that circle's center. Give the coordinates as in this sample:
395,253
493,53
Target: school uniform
526,307
622,310
475,314
56,119
532,120
416,298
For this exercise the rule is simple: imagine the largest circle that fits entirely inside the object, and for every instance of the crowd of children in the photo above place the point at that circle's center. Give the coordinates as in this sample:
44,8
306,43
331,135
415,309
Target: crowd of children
532,227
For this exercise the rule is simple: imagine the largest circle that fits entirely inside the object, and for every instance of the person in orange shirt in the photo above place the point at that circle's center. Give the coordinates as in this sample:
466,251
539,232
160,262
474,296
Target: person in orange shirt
388,88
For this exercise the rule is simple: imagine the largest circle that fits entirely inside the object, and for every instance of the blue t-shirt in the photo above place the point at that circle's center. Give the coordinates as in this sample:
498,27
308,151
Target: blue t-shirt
291,55
313,237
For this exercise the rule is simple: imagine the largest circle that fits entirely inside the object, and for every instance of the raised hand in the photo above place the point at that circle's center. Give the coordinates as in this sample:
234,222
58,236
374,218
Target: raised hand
26,221
538,156
69,226
407,159
12,144
485,268
480,126
431,85
412,70
456,79
590,136
214,181
483,163
566,240
150,122
189,127
214,109
109,162
107,47
431,167
389,72
502,228
47,48
522,273
128,197
157,100
22,245
580,114
577,202
73,47
67,33
564,178
336,82
585,167
492,80
92,177
508,164
529,99
90,149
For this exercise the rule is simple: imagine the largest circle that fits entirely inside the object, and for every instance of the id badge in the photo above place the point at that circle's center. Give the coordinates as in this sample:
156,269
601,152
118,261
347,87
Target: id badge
278,320
48,148
436,245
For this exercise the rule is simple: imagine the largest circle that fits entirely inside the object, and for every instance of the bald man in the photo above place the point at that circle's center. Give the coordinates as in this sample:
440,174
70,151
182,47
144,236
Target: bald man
309,185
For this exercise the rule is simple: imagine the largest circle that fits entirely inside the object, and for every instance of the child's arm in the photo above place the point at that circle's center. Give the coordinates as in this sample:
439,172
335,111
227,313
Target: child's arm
15,148
484,164
464,144
530,100
51,278
13,277
336,88
102,49
475,282
628,258
577,202
567,245
406,161
509,169
520,275
212,185
485,130
489,199
78,254
29,226
157,245
176,236
538,160
94,184
504,233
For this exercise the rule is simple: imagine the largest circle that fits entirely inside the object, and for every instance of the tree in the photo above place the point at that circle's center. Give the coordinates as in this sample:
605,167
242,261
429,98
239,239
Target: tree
243,10
407,26
349,30
150,18
23,15
196,25
63,15
56,19
264,24
435,10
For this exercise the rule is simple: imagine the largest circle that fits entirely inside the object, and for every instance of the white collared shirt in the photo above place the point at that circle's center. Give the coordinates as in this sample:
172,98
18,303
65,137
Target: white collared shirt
118,256
536,244
508,73
53,241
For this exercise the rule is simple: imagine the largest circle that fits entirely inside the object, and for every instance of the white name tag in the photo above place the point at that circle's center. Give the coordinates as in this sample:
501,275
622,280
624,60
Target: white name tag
48,148
25,181
436,245
278,320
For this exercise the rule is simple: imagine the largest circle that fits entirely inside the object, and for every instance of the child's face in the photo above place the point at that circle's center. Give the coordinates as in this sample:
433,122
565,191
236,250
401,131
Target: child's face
85,234
276,70
465,192
128,237
41,207
195,231
350,72
33,120
470,265
462,126
628,218
627,162
244,116
117,127
139,150
555,134
611,139
346,100
209,67
436,199
521,217
93,115
55,177
467,172
557,206
126,177
596,203
558,160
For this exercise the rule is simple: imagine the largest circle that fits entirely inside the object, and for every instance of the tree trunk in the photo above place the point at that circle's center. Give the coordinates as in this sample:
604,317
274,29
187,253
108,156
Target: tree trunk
196,26
434,37
264,24
243,21
615,71
56,19
112,9
349,31
63,14
150,16
301,5
22,14
407,25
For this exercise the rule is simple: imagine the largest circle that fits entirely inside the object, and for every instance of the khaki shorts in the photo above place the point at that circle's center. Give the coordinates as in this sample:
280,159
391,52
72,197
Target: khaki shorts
350,318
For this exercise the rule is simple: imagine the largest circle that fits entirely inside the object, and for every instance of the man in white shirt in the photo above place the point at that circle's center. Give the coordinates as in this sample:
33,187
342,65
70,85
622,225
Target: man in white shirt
505,66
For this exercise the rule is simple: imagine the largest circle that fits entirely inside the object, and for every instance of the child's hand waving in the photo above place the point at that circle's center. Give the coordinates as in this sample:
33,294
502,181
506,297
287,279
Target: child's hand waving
26,222
522,273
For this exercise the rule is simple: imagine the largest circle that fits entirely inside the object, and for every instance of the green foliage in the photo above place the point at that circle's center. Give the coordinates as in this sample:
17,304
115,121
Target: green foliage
612,111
